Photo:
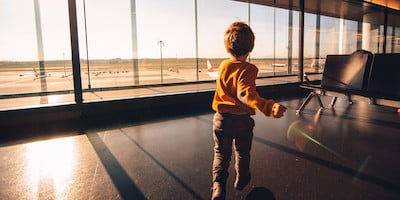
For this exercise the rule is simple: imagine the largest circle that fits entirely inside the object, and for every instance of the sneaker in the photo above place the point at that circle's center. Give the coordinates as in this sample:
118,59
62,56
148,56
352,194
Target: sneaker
241,183
218,192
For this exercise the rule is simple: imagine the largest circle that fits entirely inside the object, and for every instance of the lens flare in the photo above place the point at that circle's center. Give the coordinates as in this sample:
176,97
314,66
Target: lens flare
294,134
301,135
361,168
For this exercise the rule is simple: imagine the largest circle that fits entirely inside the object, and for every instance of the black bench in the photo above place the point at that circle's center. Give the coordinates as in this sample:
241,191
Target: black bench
362,75
384,81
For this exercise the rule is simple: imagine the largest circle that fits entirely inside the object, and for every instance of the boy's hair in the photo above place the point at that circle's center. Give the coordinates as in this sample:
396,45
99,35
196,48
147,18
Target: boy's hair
239,39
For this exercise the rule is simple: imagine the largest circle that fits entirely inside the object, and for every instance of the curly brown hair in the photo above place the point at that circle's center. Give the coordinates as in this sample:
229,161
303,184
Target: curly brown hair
239,39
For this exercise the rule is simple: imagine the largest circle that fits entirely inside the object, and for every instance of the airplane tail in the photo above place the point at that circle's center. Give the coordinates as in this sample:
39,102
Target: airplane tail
210,70
35,72
209,66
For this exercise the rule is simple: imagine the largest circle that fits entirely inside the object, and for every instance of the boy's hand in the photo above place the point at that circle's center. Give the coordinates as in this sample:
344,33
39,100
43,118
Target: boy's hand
278,110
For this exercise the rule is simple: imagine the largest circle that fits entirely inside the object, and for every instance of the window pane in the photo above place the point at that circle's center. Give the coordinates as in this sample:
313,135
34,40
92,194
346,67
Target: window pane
262,21
393,34
158,35
35,51
276,30
313,60
214,17
372,31
330,30
349,36
166,41
105,43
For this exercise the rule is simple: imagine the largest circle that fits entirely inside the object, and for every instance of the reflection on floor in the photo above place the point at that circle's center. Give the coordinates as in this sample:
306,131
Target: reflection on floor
350,152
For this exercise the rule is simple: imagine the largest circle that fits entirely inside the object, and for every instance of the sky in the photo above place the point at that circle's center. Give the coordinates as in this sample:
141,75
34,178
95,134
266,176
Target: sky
18,39
109,32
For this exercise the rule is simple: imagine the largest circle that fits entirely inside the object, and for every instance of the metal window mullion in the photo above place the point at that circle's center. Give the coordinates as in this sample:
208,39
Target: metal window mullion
196,30
317,41
301,41
385,27
76,67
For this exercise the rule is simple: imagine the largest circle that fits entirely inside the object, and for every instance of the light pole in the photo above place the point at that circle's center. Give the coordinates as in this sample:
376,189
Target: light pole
161,43
87,48
65,73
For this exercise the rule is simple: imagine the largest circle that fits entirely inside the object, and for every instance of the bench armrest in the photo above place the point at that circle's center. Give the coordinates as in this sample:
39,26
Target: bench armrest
305,75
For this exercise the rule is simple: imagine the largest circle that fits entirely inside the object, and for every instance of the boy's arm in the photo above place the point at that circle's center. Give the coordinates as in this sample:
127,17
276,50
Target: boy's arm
246,93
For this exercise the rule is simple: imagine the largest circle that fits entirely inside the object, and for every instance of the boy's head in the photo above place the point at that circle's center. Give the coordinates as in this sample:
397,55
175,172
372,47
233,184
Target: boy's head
239,39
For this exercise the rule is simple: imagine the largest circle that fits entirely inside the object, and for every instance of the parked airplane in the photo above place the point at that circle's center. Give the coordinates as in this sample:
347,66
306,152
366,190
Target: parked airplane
36,74
173,70
210,70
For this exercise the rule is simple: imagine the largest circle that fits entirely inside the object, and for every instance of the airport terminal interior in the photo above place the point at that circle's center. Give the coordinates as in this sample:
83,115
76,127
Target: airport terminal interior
112,100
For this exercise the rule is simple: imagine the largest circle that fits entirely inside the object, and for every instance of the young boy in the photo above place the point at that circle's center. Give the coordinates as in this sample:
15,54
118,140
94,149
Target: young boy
235,100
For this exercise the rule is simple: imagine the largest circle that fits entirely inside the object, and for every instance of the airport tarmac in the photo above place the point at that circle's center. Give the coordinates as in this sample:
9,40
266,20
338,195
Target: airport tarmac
22,82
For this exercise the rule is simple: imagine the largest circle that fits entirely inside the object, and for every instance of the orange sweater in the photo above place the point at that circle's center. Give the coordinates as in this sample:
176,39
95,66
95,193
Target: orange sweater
236,90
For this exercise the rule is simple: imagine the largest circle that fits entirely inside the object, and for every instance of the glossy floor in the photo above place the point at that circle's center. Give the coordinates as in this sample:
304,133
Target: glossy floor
350,152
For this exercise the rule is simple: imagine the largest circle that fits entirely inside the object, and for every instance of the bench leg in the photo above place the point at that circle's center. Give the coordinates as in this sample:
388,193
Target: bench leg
333,101
320,102
349,99
372,101
308,99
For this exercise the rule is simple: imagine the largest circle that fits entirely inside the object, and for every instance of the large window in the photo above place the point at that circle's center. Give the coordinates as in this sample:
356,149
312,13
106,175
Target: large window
166,41
213,18
393,34
133,48
105,43
35,53
142,42
276,48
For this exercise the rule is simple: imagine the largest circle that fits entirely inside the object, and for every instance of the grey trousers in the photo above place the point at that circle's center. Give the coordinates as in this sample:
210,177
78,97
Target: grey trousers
231,130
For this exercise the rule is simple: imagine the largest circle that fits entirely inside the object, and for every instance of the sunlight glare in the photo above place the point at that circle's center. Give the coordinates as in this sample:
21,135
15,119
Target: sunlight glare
54,98
51,159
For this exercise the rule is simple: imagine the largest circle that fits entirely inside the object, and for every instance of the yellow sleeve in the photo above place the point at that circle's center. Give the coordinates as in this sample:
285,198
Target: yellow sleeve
247,93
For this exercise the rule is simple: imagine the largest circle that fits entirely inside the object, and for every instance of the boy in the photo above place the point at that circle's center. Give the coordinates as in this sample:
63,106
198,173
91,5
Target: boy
235,100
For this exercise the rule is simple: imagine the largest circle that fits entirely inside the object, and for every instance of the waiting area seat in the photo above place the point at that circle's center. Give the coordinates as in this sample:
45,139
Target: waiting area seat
361,74
384,80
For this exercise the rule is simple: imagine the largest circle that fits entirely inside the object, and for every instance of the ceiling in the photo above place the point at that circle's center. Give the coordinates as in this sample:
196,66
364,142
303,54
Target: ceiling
393,4
356,10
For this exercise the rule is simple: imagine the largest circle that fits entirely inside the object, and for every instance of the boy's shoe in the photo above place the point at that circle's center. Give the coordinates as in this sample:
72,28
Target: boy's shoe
241,183
218,191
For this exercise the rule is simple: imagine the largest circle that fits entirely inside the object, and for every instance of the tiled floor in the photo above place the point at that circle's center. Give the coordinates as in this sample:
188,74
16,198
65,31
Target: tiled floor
350,152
